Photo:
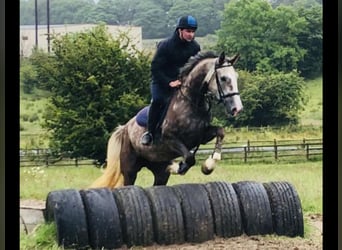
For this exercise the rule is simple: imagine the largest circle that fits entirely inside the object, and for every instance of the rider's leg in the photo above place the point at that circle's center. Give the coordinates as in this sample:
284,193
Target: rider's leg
153,118
153,114
160,98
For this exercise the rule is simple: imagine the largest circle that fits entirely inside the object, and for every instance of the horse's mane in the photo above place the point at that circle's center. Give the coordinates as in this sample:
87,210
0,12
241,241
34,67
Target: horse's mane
194,60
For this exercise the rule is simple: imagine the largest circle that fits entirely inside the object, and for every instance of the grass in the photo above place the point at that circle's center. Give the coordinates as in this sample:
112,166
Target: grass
32,106
306,176
312,114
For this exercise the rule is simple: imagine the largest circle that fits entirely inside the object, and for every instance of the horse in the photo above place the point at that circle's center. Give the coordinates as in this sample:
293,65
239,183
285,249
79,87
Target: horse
187,125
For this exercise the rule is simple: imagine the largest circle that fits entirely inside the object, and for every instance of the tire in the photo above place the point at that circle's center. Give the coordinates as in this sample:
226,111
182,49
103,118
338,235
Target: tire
226,210
67,209
197,213
52,198
286,209
167,215
254,207
135,214
104,227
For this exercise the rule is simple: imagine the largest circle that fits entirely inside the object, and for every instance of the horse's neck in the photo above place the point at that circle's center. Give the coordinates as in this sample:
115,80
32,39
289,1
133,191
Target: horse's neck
195,87
192,96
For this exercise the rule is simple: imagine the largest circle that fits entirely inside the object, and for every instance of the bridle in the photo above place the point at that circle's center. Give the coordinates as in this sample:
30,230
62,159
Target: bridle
205,83
208,78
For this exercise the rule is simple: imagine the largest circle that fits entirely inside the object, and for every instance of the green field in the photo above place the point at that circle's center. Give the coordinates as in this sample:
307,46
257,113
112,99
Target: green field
312,114
306,176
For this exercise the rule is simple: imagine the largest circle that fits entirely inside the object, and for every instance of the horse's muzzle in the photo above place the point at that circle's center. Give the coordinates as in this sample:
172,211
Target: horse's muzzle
236,111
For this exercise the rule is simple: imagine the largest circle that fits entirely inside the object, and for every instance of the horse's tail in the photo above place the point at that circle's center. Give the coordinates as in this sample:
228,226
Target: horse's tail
112,176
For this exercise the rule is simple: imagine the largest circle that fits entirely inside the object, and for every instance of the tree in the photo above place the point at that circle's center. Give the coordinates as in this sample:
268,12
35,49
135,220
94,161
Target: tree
97,83
61,11
270,99
266,38
151,18
311,39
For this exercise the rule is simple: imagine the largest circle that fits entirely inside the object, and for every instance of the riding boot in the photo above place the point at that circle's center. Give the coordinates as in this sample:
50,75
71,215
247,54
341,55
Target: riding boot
153,119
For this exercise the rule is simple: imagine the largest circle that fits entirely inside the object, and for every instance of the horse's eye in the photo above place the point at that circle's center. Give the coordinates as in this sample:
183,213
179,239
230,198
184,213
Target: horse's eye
224,79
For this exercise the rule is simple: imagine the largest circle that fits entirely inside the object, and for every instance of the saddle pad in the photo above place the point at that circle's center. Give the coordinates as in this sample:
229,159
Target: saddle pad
142,116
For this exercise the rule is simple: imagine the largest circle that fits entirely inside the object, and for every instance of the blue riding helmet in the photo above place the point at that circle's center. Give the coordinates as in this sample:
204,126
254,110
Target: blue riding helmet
187,22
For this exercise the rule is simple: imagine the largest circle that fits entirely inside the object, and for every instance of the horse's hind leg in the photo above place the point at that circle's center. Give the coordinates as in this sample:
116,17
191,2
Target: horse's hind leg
130,165
161,175
129,170
184,166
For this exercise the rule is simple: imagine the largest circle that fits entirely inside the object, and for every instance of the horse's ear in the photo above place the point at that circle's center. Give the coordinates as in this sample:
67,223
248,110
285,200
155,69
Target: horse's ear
222,58
234,59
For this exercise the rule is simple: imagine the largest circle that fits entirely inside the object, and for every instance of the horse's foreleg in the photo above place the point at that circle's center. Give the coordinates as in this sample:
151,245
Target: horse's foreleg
218,144
210,163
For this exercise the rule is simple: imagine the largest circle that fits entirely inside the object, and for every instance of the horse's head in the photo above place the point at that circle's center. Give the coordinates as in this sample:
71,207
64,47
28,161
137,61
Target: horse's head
214,75
222,82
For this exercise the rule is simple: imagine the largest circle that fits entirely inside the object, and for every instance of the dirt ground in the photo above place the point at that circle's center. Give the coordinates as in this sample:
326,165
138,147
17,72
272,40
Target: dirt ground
312,240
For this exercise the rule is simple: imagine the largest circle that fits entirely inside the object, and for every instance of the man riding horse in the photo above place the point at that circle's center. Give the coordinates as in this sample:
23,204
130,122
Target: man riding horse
172,53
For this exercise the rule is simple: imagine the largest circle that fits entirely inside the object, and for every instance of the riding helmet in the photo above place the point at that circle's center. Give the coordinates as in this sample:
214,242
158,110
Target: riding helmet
187,22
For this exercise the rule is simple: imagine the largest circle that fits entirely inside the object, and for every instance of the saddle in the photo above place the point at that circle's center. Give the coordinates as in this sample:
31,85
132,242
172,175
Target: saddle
142,116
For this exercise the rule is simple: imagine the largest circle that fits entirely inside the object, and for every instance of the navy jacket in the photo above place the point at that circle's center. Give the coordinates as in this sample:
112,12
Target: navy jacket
172,53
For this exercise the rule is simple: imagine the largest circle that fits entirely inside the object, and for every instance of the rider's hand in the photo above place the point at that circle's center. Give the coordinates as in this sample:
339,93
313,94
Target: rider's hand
175,83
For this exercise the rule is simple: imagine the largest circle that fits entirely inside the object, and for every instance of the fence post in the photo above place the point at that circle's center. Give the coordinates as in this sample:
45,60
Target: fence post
245,157
248,145
76,162
307,151
46,160
275,149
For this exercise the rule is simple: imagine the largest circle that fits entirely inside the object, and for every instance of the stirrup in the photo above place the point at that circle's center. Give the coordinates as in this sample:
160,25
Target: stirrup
146,138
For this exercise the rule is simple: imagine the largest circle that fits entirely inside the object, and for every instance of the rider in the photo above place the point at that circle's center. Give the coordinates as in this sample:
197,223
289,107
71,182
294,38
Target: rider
172,53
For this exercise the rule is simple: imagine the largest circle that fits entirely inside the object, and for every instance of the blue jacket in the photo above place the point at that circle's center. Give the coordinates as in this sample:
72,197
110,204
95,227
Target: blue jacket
172,53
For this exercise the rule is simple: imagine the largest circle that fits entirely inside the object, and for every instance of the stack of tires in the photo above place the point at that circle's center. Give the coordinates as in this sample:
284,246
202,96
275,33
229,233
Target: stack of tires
136,216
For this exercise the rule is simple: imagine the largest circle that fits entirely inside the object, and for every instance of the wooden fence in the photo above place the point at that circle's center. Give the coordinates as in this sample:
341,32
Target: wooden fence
274,150
251,151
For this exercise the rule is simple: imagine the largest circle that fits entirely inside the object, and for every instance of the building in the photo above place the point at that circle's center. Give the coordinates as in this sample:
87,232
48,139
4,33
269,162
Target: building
28,35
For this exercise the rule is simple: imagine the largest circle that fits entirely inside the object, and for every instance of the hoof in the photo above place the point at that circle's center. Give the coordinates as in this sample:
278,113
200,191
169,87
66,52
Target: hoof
207,171
208,166
183,168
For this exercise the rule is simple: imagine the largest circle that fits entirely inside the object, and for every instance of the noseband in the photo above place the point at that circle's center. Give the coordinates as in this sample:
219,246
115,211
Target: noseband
209,76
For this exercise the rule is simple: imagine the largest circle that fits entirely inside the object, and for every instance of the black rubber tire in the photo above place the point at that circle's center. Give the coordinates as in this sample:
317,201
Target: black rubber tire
135,214
104,227
67,209
254,207
286,209
226,210
167,215
52,198
197,213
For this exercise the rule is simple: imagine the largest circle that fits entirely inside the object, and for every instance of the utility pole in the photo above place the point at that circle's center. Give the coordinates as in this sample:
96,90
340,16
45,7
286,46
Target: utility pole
36,21
48,23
